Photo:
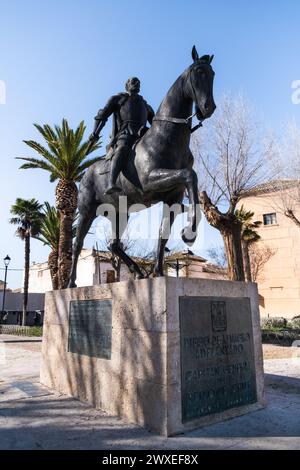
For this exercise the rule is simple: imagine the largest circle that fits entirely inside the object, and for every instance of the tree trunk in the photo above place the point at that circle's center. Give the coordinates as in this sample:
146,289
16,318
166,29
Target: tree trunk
66,203
65,249
26,278
232,242
118,270
230,228
116,264
246,261
53,266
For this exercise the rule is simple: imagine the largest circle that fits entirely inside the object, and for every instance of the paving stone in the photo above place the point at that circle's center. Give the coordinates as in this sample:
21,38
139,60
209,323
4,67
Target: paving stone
33,418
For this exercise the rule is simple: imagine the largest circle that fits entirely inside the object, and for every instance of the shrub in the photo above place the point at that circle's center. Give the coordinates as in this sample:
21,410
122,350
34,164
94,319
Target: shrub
294,323
21,330
273,323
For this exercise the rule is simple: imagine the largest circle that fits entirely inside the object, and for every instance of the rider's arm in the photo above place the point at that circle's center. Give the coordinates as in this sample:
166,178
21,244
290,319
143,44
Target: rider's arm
150,113
104,113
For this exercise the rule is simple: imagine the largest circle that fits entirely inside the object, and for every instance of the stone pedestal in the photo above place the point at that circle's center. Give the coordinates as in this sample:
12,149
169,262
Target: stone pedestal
170,354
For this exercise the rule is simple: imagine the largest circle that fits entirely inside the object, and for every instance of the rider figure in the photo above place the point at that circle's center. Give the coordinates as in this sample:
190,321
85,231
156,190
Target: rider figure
130,115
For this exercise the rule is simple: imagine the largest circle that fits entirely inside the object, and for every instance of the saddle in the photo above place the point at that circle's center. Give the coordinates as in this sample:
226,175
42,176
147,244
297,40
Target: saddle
106,159
129,170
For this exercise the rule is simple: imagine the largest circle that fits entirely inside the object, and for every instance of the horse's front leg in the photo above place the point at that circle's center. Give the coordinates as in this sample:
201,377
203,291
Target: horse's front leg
115,246
189,233
163,180
84,223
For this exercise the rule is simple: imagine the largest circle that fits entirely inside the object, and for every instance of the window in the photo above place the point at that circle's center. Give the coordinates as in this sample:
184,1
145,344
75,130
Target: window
270,219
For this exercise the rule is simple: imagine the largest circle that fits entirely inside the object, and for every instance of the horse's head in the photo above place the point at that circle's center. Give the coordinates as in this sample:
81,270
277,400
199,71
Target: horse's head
199,84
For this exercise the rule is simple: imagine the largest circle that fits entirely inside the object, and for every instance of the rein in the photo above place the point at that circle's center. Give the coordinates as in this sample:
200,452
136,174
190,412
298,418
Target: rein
185,121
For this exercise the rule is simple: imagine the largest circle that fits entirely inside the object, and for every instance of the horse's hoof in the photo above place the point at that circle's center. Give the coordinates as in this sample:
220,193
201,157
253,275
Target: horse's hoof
72,284
158,273
188,236
138,275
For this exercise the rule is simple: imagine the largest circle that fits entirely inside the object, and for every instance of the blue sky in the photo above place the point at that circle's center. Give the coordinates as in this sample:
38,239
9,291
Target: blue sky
65,58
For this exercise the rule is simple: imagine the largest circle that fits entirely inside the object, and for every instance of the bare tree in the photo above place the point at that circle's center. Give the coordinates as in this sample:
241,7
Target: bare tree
231,157
284,198
284,193
217,255
144,254
259,256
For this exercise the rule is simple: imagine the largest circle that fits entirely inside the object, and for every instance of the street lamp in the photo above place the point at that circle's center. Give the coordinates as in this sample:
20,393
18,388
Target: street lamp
176,266
6,263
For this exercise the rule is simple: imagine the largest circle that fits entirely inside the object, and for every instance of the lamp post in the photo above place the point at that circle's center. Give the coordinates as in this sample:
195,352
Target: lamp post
176,266
6,263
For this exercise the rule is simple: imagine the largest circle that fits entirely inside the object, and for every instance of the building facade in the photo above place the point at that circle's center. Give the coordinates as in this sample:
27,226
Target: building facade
95,267
278,277
13,308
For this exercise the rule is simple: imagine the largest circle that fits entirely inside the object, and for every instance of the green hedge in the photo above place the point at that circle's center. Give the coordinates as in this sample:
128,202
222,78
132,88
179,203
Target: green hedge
271,323
279,330
294,323
21,330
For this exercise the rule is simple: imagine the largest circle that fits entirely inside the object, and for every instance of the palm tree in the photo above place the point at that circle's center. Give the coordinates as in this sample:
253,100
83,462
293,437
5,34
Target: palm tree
28,216
49,235
249,236
65,160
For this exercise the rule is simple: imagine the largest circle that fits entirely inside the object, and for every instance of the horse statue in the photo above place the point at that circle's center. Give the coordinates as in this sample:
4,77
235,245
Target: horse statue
159,169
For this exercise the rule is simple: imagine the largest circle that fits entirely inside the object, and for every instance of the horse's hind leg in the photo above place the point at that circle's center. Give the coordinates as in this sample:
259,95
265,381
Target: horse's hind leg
164,234
115,246
86,217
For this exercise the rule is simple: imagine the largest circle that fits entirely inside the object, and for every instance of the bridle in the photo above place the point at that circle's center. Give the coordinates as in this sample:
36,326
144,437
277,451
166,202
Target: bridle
185,121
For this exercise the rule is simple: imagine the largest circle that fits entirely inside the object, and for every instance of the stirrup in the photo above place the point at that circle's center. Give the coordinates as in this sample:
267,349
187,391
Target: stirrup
113,189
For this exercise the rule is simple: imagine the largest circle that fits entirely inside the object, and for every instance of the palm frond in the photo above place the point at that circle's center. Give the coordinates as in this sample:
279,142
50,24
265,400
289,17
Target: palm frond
84,166
46,131
14,220
28,216
38,164
66,157
249,226
50,227
53,159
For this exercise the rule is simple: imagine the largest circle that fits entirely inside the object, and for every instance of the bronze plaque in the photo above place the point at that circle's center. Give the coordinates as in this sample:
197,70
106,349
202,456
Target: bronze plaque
217,355
90,328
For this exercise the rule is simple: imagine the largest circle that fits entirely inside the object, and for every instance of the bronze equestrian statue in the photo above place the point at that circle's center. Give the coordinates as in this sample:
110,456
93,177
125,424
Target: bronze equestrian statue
130,115
159,168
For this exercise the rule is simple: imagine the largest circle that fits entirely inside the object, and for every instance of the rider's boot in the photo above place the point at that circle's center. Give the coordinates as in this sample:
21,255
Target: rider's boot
116,167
